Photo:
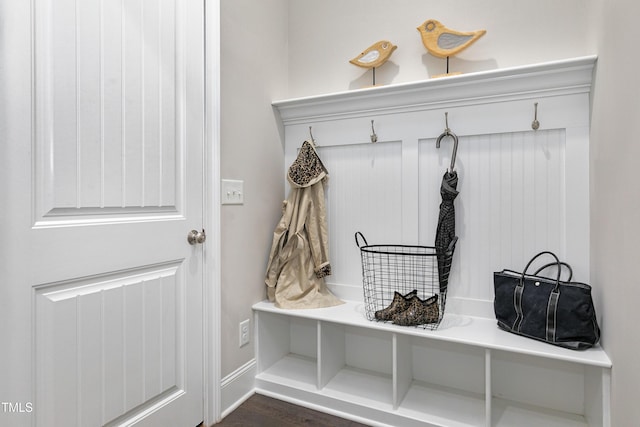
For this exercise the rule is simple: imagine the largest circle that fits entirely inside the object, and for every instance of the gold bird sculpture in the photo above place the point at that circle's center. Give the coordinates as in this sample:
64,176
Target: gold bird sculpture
375,55
443,42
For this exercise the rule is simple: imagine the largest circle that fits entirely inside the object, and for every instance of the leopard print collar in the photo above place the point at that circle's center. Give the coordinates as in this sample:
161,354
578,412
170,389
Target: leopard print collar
307,169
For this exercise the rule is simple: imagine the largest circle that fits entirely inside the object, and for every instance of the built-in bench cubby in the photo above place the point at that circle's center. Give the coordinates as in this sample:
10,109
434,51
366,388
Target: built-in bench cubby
521,191
466,373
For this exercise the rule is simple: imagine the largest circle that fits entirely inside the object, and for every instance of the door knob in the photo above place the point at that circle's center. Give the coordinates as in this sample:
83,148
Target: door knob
195,237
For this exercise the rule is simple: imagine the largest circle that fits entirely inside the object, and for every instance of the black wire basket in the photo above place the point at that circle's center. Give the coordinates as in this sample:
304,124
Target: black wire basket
407,270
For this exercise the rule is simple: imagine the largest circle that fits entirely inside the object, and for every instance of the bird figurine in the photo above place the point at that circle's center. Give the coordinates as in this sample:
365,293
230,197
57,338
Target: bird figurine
443,42
374,56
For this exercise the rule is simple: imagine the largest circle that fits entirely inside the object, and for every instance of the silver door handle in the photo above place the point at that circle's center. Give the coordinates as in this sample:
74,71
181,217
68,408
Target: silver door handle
195,237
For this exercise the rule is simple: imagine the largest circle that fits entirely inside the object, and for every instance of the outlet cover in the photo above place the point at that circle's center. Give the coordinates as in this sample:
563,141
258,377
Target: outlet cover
245,332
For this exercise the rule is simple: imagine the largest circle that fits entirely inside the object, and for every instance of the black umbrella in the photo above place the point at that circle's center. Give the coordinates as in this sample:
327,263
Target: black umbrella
446,231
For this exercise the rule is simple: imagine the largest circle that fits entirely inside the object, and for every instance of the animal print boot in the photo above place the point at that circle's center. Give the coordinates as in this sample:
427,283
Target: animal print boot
399,304
419,312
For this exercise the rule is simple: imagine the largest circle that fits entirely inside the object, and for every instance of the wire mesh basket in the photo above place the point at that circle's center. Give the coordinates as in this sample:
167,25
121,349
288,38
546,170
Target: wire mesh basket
410,271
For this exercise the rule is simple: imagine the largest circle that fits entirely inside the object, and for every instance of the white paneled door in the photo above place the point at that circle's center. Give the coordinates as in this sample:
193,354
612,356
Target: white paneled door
101,159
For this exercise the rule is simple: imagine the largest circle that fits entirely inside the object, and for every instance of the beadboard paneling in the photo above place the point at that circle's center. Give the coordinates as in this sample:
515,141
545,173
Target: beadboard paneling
511,203
364,193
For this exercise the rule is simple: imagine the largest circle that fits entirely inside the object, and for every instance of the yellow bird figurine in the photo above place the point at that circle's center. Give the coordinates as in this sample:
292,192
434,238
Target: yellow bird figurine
375,55
443,42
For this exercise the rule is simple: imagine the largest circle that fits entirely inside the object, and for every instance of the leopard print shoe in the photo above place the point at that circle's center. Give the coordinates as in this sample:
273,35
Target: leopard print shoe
419,312
399,304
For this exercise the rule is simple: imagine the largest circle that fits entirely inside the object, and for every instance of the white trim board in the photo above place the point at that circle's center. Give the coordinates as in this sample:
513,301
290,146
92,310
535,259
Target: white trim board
237,387
212,304
570,76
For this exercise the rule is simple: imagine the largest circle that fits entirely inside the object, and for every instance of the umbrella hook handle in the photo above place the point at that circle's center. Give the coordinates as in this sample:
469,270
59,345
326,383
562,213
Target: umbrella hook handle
447,132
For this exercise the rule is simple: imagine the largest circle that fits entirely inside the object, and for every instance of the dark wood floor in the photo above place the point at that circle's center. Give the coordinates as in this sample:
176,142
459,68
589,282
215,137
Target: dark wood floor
262,411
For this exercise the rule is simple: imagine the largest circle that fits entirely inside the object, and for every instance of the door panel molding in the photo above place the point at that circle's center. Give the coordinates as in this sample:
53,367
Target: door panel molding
113,343
109,122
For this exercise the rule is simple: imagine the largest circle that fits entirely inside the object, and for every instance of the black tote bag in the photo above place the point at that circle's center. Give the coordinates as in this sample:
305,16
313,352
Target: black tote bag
545,309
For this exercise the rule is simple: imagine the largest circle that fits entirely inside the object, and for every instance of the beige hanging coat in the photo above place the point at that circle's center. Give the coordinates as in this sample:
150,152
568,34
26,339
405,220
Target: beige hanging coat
299,258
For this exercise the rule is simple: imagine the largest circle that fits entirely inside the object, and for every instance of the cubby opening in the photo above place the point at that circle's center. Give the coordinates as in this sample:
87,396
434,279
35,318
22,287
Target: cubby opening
444,382
287,349
534,391
361,366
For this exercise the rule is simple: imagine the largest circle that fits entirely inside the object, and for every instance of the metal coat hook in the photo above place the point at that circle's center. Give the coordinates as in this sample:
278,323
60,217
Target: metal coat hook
447,132
314,146
535,124
313,141
374,137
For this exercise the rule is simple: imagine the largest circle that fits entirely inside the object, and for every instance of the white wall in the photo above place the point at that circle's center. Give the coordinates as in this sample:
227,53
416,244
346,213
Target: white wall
324,35
615,199
253,73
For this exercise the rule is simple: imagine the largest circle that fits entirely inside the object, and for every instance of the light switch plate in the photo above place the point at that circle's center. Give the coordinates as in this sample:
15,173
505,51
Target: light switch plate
232,192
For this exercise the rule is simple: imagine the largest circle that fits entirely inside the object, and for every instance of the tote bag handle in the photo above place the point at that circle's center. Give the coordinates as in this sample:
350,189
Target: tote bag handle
557,287
553,264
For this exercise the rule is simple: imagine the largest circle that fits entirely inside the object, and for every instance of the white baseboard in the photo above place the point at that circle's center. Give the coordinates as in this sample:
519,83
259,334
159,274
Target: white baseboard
237,387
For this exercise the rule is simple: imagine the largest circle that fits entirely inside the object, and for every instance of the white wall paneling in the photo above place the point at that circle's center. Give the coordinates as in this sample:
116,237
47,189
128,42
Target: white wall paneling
374,173
511,203
521,192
